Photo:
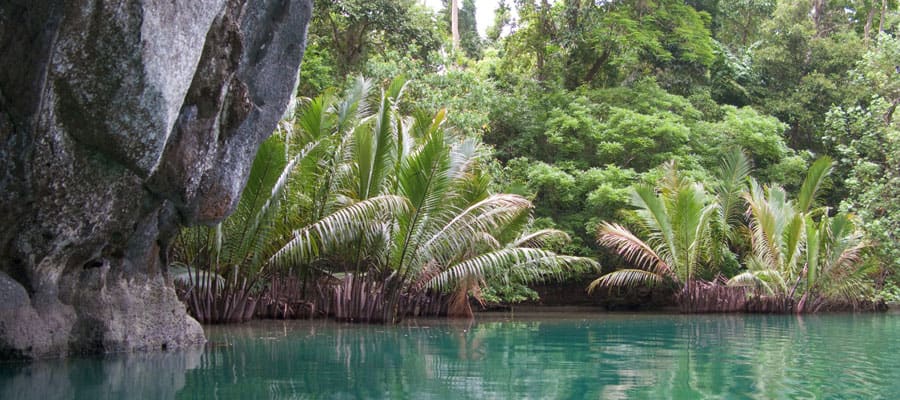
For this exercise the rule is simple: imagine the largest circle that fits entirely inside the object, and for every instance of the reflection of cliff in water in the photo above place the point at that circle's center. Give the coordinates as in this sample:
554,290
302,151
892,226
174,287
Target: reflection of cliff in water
120,376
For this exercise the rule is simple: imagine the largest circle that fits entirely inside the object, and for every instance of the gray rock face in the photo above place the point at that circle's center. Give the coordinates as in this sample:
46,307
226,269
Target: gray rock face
121,121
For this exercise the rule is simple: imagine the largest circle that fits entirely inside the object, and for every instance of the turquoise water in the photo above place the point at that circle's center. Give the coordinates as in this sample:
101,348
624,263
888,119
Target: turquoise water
577,356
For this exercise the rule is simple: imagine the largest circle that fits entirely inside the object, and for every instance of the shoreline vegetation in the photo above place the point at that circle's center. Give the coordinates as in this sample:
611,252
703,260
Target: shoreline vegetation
708,156
357,212
400,221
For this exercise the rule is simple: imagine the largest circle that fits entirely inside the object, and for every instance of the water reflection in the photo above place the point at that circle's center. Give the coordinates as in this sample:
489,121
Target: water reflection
592,356
608,356
123,376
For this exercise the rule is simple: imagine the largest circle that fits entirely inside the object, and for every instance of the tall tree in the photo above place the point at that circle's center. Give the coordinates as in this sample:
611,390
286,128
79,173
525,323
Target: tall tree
738,23
804,62
454,23
502,19
460,16
605,44
351,30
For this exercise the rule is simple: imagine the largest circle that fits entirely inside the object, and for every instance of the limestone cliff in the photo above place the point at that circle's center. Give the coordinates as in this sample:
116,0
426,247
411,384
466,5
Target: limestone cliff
121,121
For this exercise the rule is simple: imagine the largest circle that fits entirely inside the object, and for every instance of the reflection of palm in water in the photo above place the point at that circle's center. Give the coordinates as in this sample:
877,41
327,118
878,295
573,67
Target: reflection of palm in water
469,341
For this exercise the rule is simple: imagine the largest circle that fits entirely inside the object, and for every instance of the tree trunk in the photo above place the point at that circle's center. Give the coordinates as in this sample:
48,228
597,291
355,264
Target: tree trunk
596,66
868,27
888,116
454,23
545,32
459,303
573,10
883,12
819,17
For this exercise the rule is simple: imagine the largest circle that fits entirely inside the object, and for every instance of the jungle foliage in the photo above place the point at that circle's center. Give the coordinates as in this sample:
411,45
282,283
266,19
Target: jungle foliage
669,141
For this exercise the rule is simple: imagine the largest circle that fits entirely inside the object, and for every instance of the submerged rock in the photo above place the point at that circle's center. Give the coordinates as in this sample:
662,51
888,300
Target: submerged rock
121,121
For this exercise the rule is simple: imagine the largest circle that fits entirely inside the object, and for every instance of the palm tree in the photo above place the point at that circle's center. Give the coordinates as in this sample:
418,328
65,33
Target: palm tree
221,269
776,236
778,232
676,220
395,204
799,253
834,267
729,185
410,212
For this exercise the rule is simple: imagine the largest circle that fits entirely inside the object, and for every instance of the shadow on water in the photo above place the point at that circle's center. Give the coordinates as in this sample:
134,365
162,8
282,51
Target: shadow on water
530,356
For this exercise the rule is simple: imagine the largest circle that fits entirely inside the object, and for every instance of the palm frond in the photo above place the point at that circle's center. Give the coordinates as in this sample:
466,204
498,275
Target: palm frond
314,119
336,229
768,217
731,182
462,156
553,266
752,280
246,231
512,230
690,217
815,180
541,237
814,235
472,187
527,263
371,155
423,179
385,134
354,104
484,216
653,212
627,278
793,244
841,263
396,88
632,249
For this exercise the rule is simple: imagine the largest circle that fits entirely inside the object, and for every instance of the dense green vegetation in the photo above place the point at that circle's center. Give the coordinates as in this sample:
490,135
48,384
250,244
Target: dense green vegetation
671,142
394,207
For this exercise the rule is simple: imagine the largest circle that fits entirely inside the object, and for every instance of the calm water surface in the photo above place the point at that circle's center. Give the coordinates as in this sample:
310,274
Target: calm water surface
543,356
